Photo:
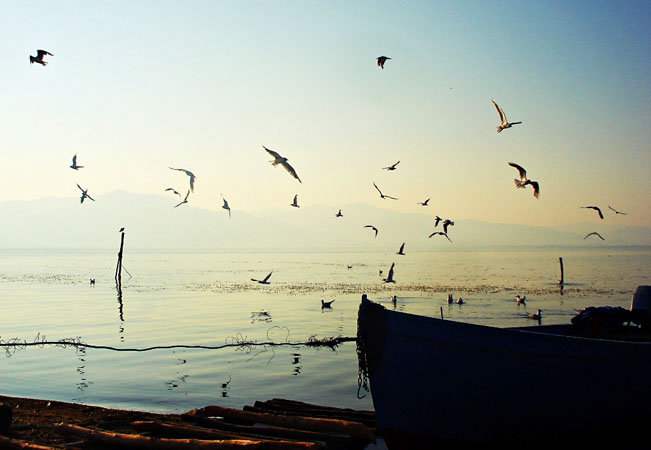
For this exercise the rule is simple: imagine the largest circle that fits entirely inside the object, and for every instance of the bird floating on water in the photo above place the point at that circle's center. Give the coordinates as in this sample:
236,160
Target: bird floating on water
389,278
373,228
295,202
391,167
225,205
450,299
84,194
616,212
265,280
339,214
325,304
596,208
424,203
381,194
188,173
459,301
74,163
278,159
39,57
594,233
537,316
92,281
185,200
523,181
520,300
402,250
504,123
442,234
381,60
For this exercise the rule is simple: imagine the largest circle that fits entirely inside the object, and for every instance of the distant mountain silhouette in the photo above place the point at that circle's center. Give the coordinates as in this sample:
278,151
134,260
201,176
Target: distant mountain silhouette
152,222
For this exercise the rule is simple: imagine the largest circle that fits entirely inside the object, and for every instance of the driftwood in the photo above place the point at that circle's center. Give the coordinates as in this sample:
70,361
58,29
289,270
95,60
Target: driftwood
9,443
292,407
139,441
354,429
270,432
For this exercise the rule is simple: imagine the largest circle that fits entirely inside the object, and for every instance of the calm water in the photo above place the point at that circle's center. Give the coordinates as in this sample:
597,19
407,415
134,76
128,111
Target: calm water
207,298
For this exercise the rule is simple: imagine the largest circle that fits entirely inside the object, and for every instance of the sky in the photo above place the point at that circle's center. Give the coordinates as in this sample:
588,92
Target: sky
134,88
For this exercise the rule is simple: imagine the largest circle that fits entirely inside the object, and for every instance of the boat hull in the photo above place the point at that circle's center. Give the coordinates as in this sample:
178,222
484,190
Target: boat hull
471,383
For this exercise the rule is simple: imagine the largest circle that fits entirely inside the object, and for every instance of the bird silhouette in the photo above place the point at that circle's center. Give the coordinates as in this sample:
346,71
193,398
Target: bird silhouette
190,174
295,202
424,203
446,223
185,200
121,230
339,214
442,234
504,123
616,212
450,299
225,205
596,208
594,233
325,304
39,57
175,192
391,167
402,250
537,316
523,181
283,162
520,300
389,278
74,163
437,220
373,228
381,60
265,280
84,194
381,194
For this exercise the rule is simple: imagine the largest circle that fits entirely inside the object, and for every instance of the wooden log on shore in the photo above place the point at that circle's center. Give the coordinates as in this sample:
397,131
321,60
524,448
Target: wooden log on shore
292,407
354,429
139,441
252,432
18,444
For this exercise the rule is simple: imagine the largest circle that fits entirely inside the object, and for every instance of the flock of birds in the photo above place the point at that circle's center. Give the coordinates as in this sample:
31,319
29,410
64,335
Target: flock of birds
521,183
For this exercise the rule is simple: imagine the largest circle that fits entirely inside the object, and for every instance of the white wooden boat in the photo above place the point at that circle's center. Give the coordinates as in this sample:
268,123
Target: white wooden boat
434,379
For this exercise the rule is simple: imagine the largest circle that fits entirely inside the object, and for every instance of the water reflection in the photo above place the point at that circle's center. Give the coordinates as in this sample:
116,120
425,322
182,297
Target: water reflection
296,363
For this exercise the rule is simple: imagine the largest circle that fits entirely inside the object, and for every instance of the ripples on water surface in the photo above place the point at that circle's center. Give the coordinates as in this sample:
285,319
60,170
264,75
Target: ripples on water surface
207,298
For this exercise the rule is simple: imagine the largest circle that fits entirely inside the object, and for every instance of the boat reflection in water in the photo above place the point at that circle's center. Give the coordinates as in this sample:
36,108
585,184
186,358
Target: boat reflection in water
442,381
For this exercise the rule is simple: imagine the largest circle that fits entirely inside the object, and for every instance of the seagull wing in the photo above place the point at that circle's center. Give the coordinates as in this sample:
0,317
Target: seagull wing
81,188
291,170
536,190
501,113
388,196
267,277
275,155
42,53
402,248
91,198
601,216
390,276
378,189
521,171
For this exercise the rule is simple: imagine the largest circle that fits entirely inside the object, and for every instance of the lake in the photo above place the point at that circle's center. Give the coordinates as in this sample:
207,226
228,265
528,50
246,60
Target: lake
206,298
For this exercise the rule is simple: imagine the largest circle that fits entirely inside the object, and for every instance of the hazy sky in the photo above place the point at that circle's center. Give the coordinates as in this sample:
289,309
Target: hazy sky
136,87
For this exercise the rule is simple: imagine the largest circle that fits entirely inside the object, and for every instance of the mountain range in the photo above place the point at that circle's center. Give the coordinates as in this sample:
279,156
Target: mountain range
152,222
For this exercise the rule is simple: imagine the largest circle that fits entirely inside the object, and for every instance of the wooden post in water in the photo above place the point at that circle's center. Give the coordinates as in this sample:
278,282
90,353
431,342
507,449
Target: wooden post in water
562,280
118,268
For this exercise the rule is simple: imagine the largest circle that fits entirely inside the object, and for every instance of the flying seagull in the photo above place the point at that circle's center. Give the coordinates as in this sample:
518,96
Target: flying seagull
596,208
381,194
84,194
381,60
265,280
391,167
523,181
74,163
175,192
325,304
225,205
402,250
188,173
339,214
442,234
505,124
437,219
295,203
39,57
185,200
616,212
595,234
447,222
389,278
373,228
424,203
282,161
